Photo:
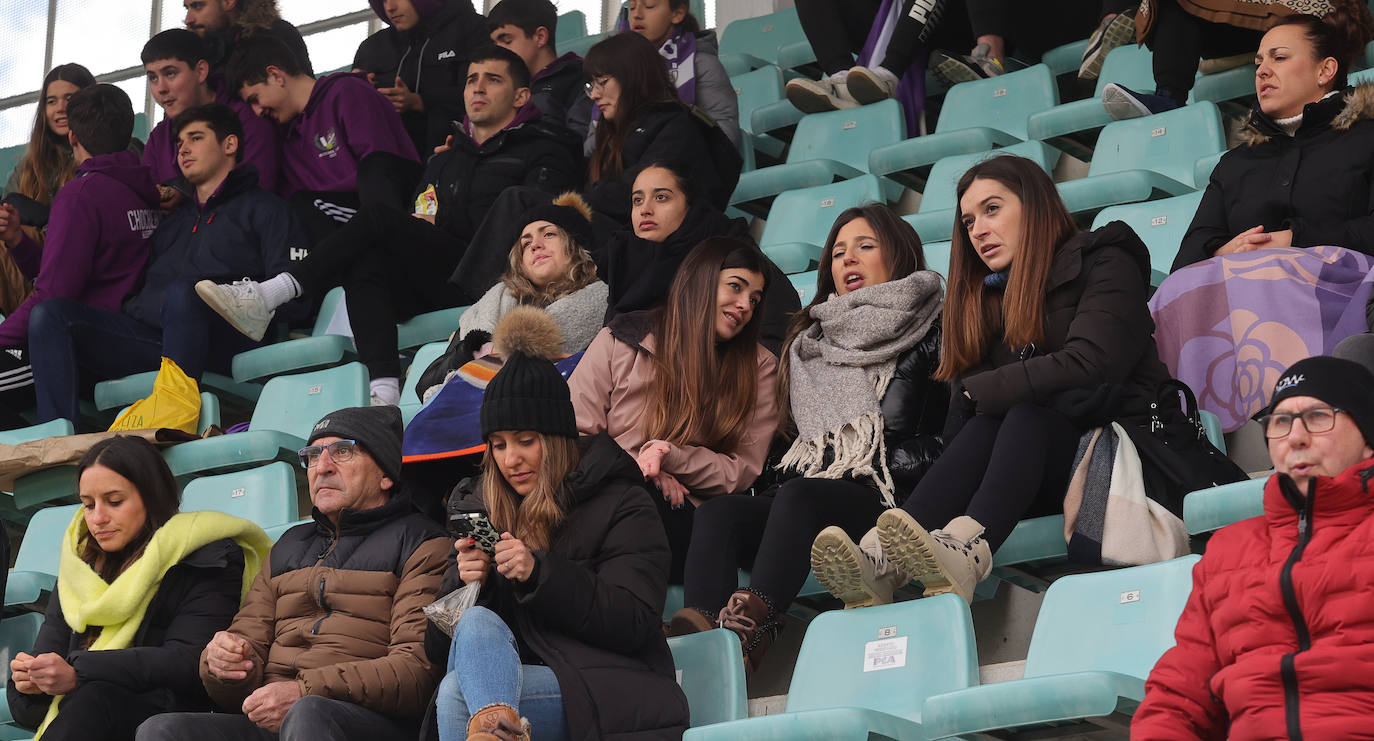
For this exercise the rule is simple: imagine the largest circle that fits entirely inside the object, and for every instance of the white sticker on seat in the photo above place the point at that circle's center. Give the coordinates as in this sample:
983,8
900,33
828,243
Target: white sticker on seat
887,653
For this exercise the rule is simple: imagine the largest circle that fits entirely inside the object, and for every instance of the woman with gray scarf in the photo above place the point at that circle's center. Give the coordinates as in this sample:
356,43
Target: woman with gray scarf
867,419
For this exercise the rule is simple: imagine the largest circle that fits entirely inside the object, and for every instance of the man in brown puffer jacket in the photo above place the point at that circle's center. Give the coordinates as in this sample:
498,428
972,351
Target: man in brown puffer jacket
329,643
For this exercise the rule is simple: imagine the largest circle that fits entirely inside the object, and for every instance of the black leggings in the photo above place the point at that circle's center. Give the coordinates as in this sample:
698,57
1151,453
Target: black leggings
770,535
1180,39
998,471
103,711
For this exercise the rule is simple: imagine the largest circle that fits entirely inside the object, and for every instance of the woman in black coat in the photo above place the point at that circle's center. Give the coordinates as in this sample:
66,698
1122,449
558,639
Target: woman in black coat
566,631
642,120
113,675
1304,173
856,375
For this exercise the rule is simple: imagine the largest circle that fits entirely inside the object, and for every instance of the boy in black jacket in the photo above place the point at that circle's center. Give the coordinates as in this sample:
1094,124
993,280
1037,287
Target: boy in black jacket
557,87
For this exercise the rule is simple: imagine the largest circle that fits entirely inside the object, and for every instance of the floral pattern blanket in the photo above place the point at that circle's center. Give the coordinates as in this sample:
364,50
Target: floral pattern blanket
1230,325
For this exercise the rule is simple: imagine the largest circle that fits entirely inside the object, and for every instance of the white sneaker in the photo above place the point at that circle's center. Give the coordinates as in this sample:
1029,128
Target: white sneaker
952,559
240,303
871,84
860,575
829,93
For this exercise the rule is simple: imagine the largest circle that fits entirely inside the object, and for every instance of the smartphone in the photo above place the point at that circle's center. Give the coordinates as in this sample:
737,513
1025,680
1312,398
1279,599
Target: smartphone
475,525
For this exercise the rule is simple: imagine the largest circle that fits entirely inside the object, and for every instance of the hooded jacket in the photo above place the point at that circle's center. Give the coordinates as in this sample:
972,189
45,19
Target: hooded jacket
1277,637
1319,182
468,177
591,608
715,93
344,120
260,147
97,242
196,598
432,60
339,611
559,92
241,231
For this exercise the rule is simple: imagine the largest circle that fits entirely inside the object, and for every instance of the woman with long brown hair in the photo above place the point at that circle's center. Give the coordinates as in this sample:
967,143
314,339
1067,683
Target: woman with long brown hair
566,625
642,120
866,416
1046,334
686,389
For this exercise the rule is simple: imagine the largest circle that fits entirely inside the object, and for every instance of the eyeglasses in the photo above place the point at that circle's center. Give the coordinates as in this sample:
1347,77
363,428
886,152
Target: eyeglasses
598,85
1316,421
340,451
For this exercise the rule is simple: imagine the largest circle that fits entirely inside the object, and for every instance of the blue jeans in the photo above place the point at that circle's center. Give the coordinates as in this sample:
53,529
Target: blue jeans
484,668
72,345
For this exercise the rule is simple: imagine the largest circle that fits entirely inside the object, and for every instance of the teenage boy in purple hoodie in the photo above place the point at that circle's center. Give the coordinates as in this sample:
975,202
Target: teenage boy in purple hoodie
557,87
394,265
343,145
100,223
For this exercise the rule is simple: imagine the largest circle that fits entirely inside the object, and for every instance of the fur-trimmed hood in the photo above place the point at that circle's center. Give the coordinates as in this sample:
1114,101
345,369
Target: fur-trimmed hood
1337,111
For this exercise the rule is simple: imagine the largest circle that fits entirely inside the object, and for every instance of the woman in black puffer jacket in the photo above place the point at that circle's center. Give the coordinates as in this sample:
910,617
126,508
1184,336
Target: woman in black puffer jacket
856,374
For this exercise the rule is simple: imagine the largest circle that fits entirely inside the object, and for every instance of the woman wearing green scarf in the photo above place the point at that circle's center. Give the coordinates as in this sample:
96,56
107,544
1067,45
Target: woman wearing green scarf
140,590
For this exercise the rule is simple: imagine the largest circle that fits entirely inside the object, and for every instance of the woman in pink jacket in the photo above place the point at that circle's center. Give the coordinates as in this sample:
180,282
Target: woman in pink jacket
686,389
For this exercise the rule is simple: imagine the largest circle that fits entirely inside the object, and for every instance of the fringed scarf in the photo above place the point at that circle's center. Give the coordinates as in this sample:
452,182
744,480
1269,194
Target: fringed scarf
840,368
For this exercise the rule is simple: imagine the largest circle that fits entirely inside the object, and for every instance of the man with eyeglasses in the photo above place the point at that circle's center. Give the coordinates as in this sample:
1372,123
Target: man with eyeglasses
329,643
1277,638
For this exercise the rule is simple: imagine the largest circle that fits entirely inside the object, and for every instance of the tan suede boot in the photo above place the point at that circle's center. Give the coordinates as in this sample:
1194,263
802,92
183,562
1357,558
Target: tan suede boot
952,559
860,575
498,722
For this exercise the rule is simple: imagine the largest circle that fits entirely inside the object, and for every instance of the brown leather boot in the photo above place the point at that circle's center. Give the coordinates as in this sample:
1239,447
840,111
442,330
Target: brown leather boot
498,722
753,618
690,620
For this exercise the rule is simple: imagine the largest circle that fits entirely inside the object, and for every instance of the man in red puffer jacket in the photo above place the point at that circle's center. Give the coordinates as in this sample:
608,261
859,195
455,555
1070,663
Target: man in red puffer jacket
1277,638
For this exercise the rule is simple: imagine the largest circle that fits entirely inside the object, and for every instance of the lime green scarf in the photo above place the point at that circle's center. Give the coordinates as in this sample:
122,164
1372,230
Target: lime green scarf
118,608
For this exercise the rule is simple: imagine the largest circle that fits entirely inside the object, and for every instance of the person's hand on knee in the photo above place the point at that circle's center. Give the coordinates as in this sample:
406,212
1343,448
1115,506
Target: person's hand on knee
268,705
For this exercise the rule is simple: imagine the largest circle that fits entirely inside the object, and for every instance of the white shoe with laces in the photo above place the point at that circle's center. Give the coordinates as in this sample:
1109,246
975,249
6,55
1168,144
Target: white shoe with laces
860,575
240,303
830,93
872,84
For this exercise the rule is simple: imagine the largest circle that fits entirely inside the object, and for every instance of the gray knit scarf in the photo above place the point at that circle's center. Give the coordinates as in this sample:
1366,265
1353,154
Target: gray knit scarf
840,368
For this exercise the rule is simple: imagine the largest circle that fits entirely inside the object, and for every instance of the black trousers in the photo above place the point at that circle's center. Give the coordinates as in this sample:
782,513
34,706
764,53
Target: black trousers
1030,29
678,524
392,266
1180,39
999,471
837,30
102,711
770,535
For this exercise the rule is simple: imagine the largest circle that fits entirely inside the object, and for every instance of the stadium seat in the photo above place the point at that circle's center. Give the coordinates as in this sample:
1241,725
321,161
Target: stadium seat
1144,158
775,38
1065,125
811,588
937,255
827,147
580,46
431,326
18,634
141,127
410,399
800,220
275,532
935,220
55,428
1065,58
805,285
977,116
862,672
9,159
1096,638
1202,169
265,495
319,350
1161,225
1237,82
1211,424
288,408
571,25
762,108
35,565
710,670
1207,510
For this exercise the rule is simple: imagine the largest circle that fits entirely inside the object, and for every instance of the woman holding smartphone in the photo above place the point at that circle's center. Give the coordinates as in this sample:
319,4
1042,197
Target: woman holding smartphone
567,622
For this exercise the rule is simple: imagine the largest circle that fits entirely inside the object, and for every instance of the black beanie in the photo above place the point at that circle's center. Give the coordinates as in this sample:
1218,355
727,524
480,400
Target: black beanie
377,429
567,212
528,393
1344,384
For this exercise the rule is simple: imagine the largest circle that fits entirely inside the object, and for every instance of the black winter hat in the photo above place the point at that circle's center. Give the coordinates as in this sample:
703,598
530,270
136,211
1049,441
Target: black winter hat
528,393
1344,384
569,213
377,429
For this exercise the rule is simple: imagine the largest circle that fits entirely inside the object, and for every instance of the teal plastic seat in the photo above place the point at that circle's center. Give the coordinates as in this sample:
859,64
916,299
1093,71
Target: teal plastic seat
581,45
939,207
1145,158
977,116
937,255
1161,225
775,38
9,159
1202,169
571,25
410,398
862,672
1065,58
805,285
55,428
800,220
275,532
1237,82
431,326
17,634
1066,125
1208,510
265,495
811,588
282,419
35,566
1033,541
710,670
762,108
1096,638
319,350
1211,424
827,147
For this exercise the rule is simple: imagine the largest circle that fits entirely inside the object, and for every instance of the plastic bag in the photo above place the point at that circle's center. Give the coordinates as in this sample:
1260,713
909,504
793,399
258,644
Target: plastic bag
174,403
445,611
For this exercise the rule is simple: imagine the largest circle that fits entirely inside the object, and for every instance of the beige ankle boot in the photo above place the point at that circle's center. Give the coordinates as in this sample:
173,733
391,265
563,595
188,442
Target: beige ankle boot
952,559
858,574
498,722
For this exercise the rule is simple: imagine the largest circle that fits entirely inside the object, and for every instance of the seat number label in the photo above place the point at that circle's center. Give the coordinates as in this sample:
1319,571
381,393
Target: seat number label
851,125
1131,596
888,653
237,493
315,390
827,203
1161,131
999,92
1159,221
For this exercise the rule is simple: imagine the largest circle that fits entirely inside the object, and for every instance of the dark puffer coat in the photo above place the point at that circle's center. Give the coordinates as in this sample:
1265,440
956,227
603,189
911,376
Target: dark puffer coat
591,610
914,409
559,92
196,599
1319,182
